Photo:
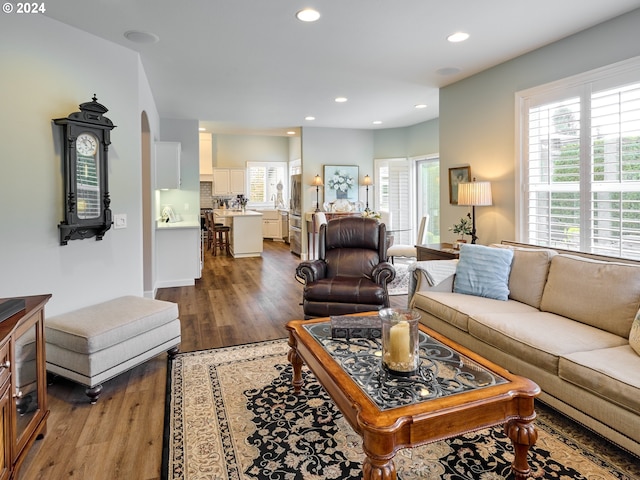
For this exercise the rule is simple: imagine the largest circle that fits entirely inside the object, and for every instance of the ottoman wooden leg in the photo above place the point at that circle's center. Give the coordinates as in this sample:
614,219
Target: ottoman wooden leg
93,393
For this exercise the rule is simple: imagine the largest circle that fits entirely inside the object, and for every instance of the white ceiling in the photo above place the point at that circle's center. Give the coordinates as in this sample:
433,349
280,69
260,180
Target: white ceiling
240,65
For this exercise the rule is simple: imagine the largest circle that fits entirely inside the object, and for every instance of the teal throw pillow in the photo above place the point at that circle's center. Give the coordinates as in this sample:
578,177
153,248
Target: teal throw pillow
483,271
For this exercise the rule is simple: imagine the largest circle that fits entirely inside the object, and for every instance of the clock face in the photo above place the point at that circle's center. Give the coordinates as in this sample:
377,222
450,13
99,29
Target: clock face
86,145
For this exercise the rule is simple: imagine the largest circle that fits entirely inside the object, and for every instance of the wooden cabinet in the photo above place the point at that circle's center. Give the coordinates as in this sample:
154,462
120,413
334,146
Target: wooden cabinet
206,157
23,389
228,181
167,160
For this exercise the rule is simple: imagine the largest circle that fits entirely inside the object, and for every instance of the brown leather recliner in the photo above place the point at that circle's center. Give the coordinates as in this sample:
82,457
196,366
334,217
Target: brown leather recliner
351,273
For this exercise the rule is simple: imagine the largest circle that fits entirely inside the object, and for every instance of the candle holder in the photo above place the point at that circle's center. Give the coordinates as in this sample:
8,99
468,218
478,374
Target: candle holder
400,338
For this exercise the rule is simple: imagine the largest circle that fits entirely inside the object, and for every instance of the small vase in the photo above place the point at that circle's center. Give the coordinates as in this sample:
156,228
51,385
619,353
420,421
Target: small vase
340,195
456,244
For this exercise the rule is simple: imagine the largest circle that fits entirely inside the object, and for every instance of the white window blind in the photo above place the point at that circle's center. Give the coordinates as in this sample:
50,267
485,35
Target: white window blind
263,179
394,193
580,165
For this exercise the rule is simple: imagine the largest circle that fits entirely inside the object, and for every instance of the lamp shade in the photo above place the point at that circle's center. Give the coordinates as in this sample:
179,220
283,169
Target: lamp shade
474,193
367,180
317,181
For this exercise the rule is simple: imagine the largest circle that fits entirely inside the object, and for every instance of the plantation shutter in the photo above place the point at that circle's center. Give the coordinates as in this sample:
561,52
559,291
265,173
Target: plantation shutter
394,188
580,166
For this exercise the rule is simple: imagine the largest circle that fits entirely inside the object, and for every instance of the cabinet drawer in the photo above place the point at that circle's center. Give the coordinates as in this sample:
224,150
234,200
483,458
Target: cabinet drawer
5,366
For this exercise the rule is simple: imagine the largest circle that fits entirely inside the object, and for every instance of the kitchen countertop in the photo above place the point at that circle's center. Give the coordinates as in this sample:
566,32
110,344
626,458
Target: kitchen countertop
236,213
160,225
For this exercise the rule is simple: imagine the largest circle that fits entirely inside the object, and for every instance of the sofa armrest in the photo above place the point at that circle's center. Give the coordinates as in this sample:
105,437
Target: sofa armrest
431,276
311,270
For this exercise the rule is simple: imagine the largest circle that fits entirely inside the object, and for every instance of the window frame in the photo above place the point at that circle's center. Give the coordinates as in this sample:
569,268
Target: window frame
584,86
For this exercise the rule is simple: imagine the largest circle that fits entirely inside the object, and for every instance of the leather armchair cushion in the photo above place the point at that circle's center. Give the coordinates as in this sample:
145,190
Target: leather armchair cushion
351,262
345,290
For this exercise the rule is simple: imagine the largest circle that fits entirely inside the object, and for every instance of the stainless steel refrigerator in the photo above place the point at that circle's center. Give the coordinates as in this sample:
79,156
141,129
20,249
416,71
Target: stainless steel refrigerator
295,215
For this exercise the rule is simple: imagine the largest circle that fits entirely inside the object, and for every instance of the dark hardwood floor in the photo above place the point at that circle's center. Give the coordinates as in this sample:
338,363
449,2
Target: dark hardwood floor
236,301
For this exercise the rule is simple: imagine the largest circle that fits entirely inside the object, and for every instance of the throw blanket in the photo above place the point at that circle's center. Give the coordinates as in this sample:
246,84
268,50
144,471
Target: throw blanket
433,271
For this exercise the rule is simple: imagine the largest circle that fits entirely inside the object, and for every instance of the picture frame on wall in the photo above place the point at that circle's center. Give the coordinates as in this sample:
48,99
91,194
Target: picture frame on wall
457,175
341,182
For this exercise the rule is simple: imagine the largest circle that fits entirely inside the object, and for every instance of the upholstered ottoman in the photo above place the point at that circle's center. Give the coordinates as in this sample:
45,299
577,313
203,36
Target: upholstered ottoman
96,343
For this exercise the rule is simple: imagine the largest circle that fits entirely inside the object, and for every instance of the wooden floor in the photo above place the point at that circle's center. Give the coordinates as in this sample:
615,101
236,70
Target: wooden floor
237,301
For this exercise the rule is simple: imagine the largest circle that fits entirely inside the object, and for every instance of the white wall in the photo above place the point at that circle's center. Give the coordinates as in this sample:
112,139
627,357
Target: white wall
41,79
477,116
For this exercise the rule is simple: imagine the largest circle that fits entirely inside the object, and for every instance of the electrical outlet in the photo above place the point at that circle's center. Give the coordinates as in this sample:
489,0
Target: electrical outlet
120,220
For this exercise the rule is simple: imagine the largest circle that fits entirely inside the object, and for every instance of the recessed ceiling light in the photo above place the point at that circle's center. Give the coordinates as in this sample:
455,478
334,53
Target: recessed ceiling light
377,122
137,36
341,99
290,132
448,71
309,118
202,129
458,37
308,15
420,105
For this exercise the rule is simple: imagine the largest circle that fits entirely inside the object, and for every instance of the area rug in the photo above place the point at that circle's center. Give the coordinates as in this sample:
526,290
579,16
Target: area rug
400,284
231,414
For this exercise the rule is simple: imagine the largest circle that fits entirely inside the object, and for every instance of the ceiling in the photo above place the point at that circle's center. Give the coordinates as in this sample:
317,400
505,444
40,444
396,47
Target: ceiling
251,66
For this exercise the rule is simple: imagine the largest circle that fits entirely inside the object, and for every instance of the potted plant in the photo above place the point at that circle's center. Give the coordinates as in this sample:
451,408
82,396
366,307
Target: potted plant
462,228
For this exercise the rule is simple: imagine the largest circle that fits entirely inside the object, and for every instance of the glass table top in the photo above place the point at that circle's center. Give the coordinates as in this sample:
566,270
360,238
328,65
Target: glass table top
442,371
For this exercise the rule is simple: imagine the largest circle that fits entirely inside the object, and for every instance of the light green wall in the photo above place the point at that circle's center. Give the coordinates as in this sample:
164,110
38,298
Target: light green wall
477,116
42,79
234,151
412,141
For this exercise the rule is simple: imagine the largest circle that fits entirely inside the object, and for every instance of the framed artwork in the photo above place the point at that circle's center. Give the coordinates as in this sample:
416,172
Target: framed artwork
341,182
457,175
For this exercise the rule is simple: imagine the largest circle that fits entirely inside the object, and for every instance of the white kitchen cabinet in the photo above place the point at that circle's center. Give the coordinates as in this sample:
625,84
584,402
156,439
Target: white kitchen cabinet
167,159
178,254
271,224
206,157
228,181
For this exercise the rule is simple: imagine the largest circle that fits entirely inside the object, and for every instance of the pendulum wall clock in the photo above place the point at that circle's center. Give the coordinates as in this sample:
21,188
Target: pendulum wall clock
85,143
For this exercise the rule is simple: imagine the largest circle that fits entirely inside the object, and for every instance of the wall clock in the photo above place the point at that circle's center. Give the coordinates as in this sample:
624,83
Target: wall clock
85,143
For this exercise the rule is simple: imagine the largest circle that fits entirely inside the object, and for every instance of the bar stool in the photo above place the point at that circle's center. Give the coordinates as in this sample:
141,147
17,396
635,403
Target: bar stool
221,239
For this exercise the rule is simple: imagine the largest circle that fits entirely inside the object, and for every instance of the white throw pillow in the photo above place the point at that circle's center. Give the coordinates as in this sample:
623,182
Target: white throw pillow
634,335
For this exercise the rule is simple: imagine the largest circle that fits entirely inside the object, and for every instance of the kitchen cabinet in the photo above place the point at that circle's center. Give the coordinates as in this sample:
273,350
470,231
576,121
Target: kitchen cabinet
23,388
206,157
271,224
228,181
167,160
178,248
245,237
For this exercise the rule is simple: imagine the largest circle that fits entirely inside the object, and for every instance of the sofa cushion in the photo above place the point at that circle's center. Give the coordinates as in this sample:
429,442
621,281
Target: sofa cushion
605,295
634,334
611,373
529,270
455,308
483,271
539,338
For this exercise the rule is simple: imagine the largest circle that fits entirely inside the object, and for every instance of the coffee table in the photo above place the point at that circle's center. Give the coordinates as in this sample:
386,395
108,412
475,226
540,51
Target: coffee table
454,392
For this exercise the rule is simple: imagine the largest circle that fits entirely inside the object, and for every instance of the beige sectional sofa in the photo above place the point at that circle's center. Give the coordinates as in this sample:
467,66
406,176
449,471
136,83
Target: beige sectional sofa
565,325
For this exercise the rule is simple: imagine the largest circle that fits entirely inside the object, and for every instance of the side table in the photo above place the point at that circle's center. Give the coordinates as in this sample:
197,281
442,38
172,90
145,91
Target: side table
437,251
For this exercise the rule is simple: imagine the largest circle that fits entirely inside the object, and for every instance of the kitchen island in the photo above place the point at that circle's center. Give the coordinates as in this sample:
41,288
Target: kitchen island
246,231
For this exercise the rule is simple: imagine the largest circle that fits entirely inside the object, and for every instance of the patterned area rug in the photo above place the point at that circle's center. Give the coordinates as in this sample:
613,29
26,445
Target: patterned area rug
232,414
400,284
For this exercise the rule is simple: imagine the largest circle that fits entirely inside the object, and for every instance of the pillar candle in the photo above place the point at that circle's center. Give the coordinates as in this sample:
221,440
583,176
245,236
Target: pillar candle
399,343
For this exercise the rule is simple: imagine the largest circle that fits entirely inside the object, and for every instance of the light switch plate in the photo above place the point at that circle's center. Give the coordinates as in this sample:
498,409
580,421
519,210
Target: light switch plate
120,220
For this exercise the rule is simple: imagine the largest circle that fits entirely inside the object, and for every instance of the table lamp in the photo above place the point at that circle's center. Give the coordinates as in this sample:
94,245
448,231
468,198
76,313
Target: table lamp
317,182
476,194
367,181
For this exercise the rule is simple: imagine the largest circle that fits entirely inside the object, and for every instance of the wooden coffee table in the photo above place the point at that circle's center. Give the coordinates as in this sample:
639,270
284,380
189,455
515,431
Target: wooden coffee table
454,392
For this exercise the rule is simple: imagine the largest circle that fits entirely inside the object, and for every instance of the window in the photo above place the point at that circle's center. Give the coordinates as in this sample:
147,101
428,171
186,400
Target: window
580,162
267,184
428,195
394,194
